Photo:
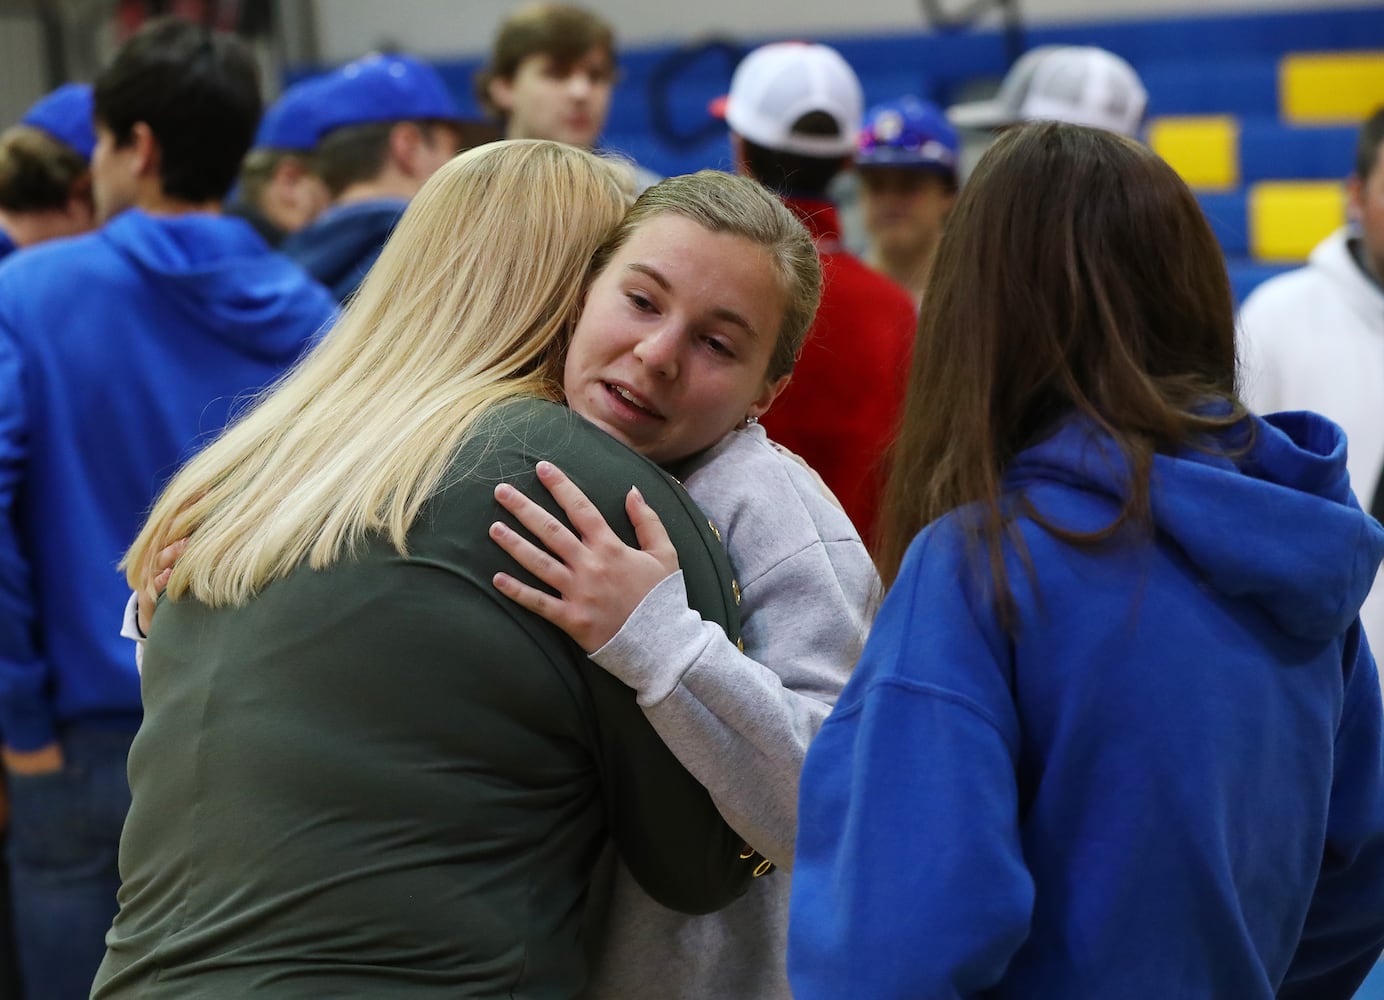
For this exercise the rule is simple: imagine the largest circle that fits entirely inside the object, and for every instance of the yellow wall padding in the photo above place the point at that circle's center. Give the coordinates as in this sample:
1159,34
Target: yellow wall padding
1330,87
1288,218
1204,149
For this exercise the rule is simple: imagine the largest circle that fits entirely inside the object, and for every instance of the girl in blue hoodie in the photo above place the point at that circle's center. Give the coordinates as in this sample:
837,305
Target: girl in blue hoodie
1116,732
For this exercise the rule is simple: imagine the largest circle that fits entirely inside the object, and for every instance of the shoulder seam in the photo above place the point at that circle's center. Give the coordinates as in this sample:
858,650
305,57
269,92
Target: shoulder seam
926,690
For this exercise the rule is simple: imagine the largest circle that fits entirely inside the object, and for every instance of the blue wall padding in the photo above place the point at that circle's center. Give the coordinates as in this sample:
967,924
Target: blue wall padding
1246,275
1229,219
1224,63
1270,149
1222,36
1236,85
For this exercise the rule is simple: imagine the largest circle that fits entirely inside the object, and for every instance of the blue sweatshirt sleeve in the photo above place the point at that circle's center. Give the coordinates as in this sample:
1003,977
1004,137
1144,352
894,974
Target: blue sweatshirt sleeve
1344,931
910,879
25,717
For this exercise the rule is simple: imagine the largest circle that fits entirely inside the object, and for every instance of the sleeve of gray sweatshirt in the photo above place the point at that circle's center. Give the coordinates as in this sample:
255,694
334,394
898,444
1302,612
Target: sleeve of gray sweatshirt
741,722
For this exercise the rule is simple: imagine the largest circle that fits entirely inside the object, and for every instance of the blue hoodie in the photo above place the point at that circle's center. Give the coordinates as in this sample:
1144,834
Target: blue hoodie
1167,784
342,243
121,352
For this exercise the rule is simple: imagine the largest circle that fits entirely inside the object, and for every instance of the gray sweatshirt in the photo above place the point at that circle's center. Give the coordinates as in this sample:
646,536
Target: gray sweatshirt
739,722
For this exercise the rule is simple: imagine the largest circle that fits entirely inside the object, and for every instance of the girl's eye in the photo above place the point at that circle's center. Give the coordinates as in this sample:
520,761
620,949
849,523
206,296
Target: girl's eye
639,302
718,346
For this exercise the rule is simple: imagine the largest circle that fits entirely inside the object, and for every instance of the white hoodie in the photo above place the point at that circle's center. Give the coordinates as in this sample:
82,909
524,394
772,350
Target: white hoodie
1313,339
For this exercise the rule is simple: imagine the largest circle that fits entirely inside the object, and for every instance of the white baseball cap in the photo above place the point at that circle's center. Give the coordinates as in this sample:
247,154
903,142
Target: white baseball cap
777,84
1065,83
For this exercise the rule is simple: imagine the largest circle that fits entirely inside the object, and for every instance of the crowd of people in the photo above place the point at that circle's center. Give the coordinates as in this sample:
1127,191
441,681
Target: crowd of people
551,580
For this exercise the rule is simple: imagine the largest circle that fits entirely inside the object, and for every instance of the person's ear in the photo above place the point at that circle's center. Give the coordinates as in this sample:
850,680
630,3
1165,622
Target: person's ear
80,206
79,195
1355,198
950,203
771,392
147,151
500,90
406,141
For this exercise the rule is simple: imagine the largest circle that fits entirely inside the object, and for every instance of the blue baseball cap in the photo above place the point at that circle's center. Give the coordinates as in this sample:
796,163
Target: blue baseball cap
908,133
65,114
294,122
385,88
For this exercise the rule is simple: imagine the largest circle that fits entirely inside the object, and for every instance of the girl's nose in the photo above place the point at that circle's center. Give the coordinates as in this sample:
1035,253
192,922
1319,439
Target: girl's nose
659,350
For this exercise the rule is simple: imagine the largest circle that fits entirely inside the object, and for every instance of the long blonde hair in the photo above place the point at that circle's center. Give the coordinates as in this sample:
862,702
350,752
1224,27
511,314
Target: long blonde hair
469,305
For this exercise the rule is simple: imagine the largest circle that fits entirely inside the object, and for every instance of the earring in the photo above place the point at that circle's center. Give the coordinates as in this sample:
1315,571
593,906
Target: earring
751,419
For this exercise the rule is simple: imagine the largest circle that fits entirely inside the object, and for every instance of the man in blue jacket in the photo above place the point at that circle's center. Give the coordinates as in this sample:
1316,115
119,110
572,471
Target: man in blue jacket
386,123
121,352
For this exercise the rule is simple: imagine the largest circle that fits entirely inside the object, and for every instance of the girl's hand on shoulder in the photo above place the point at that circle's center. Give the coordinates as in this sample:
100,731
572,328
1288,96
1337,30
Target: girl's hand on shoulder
164,562
599,579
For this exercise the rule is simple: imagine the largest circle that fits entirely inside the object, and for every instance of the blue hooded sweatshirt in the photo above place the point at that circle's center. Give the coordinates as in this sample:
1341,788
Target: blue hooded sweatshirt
343,242
1166,783
121,353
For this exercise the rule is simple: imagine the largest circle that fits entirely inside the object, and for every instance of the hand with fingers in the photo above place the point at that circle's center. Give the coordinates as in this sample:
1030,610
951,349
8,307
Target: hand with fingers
599,579
163,569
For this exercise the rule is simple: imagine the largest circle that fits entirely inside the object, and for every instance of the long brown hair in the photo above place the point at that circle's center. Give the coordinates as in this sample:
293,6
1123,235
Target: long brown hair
1077,275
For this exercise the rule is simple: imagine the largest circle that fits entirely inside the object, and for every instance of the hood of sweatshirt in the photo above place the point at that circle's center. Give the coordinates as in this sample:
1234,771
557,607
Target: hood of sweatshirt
221,274
1277,524
342,243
